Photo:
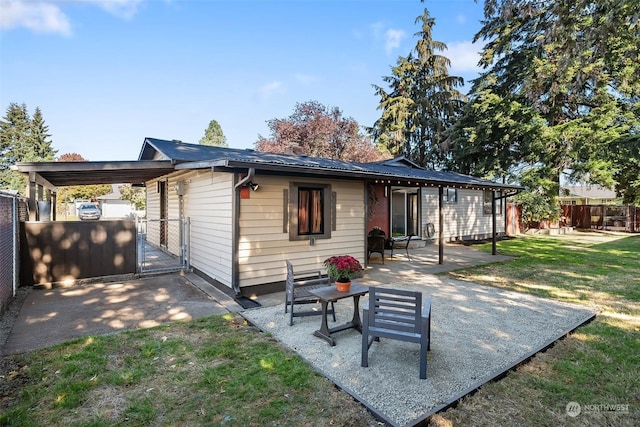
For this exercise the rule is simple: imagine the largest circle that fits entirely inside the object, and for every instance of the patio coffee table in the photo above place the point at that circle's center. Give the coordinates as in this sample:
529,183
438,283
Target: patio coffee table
331,294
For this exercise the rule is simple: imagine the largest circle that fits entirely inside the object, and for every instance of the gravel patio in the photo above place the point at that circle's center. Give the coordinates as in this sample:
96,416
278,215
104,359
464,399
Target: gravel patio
478,334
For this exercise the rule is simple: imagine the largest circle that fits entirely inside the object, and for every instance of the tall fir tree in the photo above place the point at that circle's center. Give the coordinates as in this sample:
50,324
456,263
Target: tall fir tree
561,86
422,101
22,139
42,149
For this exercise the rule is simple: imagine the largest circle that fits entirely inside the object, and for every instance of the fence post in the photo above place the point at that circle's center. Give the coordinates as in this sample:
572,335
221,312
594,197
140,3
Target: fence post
187,243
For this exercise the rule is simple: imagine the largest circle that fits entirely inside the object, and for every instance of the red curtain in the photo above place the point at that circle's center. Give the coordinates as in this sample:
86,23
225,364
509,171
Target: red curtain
303,212
316,208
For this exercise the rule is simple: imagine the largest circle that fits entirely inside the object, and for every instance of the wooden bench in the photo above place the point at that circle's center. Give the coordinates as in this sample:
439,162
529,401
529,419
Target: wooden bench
298,285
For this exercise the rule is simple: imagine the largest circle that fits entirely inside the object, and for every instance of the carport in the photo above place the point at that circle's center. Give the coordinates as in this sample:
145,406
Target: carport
44,178
60,251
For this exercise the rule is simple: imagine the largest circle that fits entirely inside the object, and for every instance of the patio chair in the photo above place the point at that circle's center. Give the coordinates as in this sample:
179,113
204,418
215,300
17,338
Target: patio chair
297,290
375,245
399,315
401,242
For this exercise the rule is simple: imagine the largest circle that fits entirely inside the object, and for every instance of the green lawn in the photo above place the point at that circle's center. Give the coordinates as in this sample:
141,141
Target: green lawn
598,366
220,371
215,371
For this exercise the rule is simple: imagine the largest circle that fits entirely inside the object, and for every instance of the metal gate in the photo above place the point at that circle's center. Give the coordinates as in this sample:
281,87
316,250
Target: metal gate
163,244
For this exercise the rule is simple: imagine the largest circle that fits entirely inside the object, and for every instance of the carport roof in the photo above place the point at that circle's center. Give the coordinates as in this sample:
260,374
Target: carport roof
83,173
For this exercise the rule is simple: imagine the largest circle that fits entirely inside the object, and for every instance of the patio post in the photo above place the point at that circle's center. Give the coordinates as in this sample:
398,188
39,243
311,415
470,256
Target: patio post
440,227
493,223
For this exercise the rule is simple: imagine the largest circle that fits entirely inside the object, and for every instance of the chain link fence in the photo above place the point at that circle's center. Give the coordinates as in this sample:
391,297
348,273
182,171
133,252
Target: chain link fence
9,247
163,244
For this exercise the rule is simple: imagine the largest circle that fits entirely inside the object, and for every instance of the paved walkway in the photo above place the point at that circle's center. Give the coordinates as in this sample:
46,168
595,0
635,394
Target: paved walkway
52,316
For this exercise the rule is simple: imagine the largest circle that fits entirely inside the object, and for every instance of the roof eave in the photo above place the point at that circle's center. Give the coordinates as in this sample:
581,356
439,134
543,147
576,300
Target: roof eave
229,165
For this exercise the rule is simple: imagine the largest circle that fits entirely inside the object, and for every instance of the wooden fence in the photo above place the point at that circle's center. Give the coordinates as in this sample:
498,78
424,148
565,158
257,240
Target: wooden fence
69,250
602,217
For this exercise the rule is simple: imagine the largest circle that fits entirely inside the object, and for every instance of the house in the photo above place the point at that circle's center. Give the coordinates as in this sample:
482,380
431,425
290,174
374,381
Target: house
113,206
587,195
250,211
238,214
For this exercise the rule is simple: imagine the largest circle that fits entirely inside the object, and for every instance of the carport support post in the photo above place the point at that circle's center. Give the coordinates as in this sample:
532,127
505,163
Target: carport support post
32,197
54,202
440,227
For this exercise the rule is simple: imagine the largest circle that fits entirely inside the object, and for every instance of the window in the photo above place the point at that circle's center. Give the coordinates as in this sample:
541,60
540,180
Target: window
486,206
450,195
310,210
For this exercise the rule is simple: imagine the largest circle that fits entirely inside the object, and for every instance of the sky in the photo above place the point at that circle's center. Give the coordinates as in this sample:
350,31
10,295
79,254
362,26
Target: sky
108,73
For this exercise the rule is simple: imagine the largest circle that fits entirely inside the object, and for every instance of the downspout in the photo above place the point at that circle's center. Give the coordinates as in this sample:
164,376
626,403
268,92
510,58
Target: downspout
246,179
235,213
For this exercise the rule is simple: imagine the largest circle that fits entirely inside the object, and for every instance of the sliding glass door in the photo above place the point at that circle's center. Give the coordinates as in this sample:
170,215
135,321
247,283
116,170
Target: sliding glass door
404,212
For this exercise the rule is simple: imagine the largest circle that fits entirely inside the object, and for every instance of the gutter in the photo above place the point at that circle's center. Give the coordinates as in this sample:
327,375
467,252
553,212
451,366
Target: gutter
228,166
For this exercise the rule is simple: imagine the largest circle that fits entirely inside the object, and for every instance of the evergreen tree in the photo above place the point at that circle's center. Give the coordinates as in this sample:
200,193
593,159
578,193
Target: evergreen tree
422,101
561,85
22,139
42,149
213,135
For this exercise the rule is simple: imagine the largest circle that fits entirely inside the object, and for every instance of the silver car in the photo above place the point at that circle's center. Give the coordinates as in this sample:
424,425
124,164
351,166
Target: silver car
88,211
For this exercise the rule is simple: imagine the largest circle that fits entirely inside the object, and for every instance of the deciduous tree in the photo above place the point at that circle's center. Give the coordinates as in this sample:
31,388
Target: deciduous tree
72,193
136,195
318,131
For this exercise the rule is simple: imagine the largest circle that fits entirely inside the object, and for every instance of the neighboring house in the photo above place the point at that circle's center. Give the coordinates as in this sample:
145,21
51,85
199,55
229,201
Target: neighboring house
250,211
587,195
112,205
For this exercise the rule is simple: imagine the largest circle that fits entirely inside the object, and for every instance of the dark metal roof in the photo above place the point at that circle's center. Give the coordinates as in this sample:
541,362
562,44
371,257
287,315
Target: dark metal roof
192,156
160,157
83,173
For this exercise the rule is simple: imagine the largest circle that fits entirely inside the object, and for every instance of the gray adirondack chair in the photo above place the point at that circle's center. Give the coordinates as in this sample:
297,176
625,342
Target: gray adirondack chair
399,315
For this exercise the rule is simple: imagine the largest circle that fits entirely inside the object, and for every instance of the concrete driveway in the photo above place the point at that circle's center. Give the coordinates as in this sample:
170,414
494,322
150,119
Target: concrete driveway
49,317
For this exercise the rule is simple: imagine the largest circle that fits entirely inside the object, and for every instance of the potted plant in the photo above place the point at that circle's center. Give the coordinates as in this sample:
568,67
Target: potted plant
342,268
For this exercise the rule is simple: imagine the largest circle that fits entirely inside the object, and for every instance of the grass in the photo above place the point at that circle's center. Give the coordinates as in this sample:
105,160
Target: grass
214,371
598,365
220,371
